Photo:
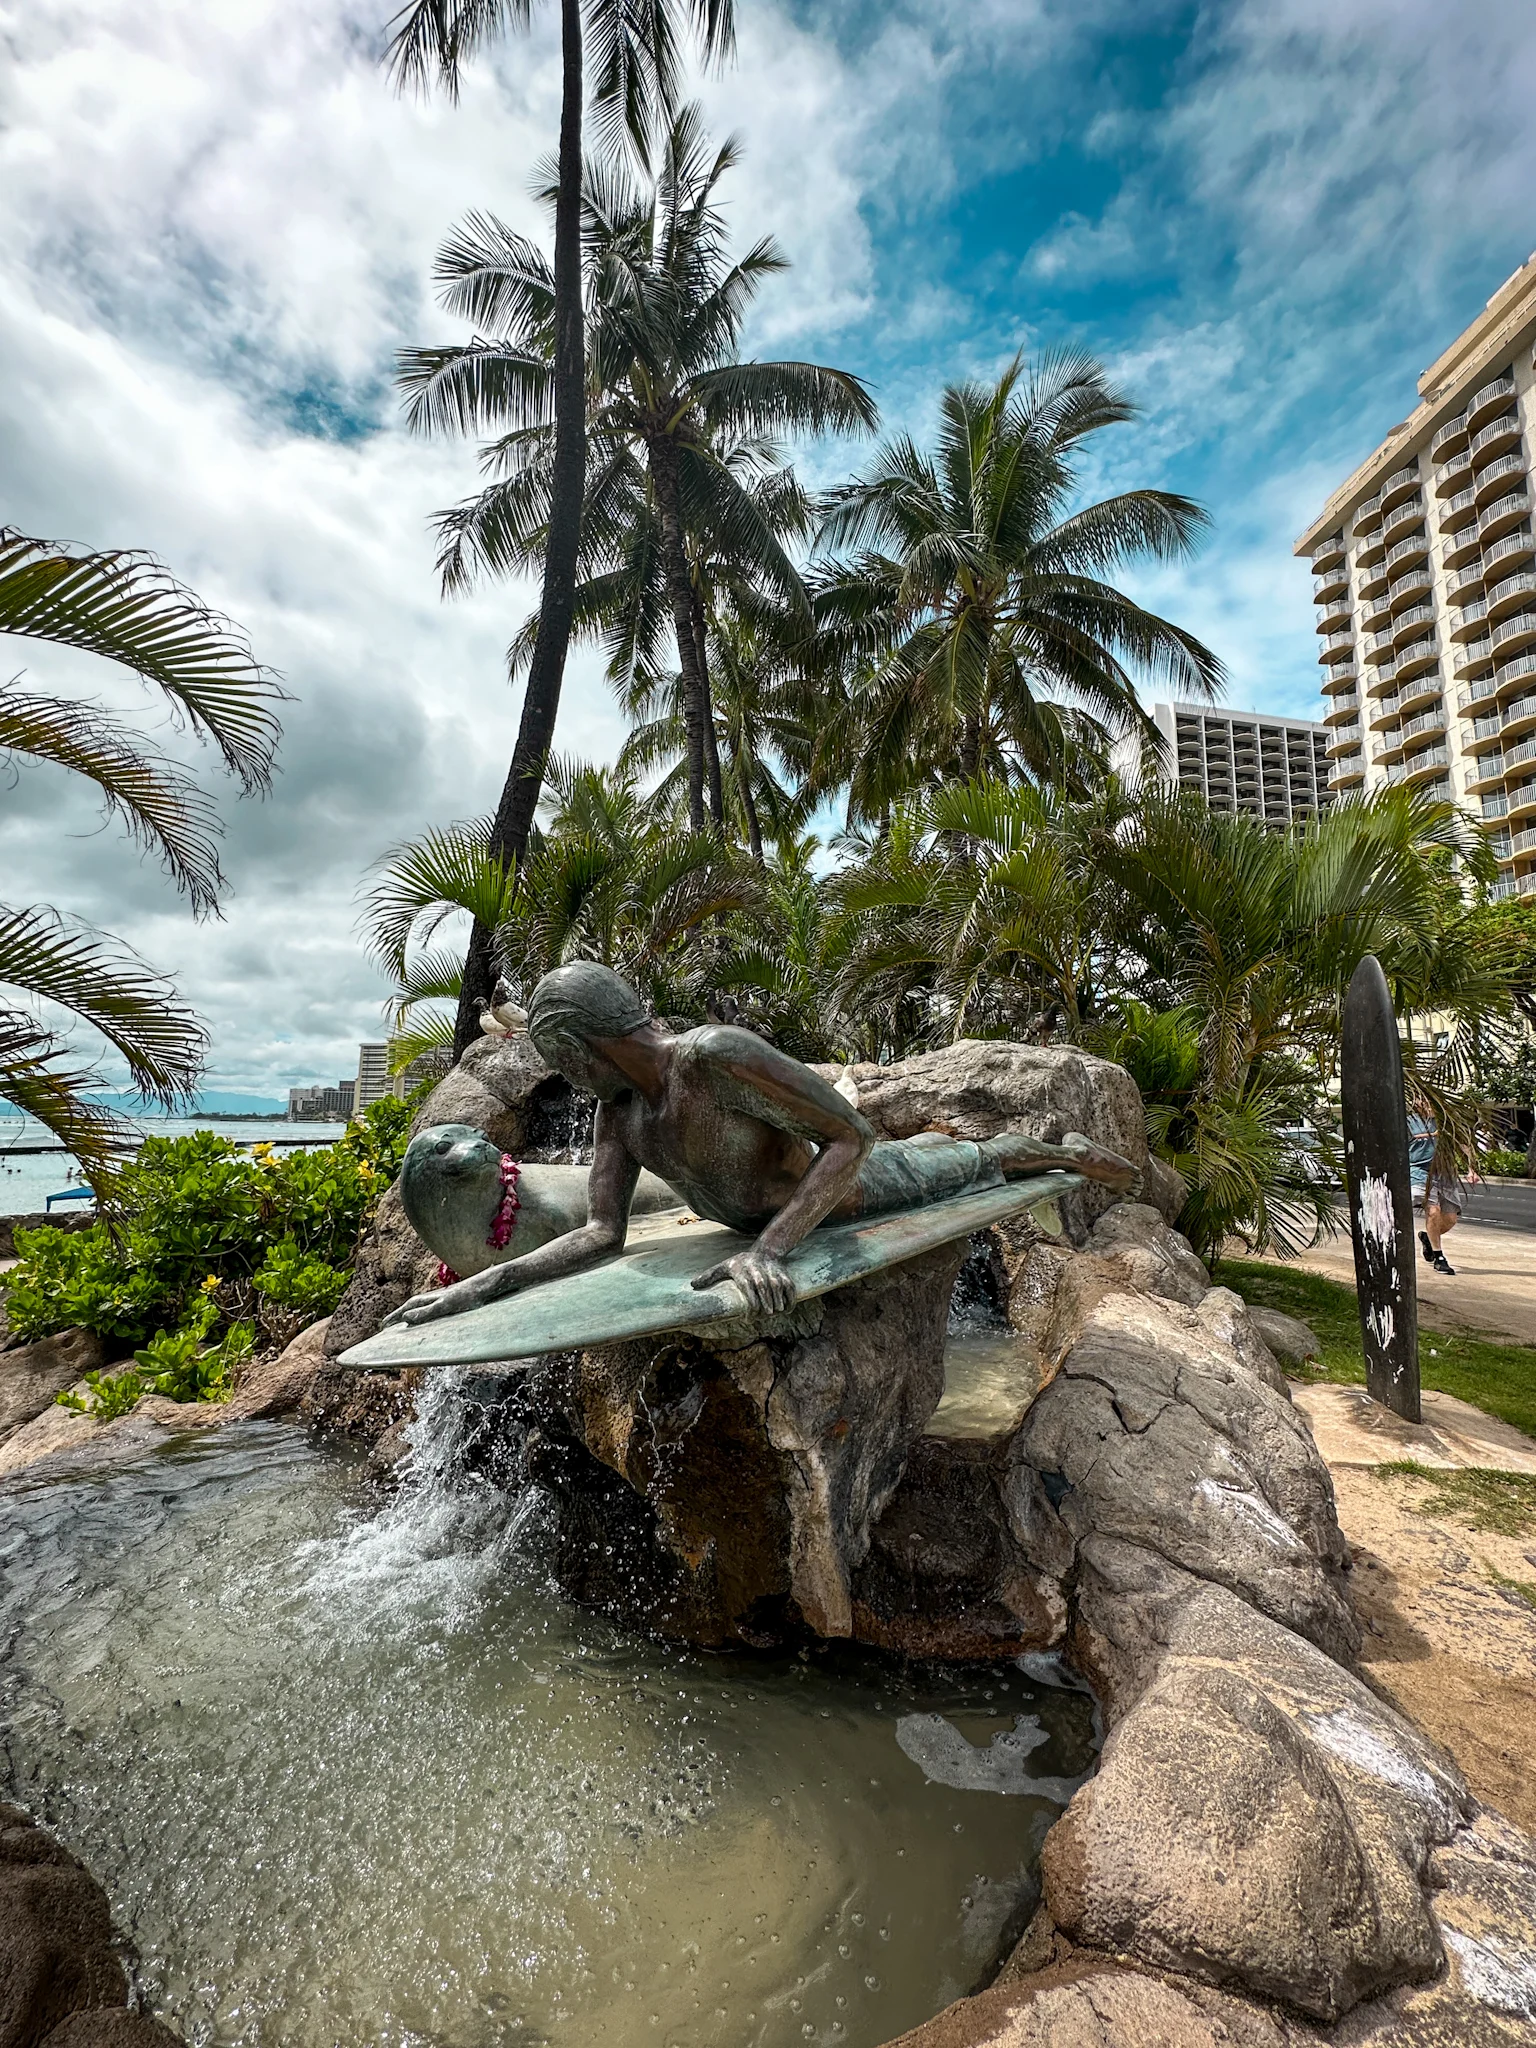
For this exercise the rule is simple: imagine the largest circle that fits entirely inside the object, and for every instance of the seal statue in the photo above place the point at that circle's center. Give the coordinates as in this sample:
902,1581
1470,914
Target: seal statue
746,1136
454,1187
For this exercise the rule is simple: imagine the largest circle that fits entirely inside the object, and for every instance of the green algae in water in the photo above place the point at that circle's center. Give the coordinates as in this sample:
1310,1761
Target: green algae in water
361,1780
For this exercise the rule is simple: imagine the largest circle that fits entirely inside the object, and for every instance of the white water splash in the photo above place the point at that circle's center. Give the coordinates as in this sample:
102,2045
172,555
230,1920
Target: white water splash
448,1533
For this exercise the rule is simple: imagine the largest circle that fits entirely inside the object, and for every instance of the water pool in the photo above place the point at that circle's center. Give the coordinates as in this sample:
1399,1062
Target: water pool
357,1778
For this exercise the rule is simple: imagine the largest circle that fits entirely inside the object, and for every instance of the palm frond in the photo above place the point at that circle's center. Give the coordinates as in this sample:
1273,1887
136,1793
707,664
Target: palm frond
128,608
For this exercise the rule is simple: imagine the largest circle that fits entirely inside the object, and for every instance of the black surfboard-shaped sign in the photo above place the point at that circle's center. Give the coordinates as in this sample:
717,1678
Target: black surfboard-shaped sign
1380,1192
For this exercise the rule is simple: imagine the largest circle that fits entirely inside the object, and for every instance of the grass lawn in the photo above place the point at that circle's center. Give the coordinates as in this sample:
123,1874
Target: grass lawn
1494,1375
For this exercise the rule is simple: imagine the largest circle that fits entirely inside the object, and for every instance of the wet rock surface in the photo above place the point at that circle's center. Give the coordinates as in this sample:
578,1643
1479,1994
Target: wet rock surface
32,1376
62,1981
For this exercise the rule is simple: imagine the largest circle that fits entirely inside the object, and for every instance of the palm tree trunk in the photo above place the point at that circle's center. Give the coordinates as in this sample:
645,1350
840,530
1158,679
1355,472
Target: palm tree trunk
970,748
745,763
546,671
711,738
663,455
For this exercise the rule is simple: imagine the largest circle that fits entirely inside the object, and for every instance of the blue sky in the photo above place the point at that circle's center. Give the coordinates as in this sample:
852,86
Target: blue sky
216,225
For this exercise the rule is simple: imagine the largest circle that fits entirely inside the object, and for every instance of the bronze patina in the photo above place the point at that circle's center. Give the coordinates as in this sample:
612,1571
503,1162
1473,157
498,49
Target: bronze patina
743,1134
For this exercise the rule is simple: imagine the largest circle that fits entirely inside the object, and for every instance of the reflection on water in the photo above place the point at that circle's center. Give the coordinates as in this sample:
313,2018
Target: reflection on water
990,1378
362,1781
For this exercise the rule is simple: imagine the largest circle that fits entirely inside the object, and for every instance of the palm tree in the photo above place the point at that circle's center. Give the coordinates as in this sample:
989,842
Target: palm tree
754,718
125,607
974,596
636,89
608,876
684,469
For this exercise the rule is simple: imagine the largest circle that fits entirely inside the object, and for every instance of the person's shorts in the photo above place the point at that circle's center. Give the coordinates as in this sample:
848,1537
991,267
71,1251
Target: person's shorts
1442,1196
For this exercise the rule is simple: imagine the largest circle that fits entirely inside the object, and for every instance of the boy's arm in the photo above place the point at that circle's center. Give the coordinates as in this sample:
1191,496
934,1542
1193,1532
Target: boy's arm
610,1190
752,1076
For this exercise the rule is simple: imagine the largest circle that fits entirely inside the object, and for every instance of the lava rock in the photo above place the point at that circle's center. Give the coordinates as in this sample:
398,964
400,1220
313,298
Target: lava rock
32,1376
1149,1256
1292,1341
1259,1819
1152,1433
106,2027
279,1386
978,1087
57,1953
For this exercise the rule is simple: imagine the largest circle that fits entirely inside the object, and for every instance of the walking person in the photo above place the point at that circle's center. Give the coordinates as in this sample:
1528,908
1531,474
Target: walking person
1439,1190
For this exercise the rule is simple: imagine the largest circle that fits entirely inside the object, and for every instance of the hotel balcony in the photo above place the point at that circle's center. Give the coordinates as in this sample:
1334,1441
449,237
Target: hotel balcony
1373,581
1376,615
1488,727
1334,616
1509,593
1493,397
1343,705
1420,689
1465,659
1398,486
1523,842
1414,582
1501,473
1501,516
1451,436
1518,717
1456,510
1515,885
1418,766
1482,691
1494,806
1343,676
1471,618
1499,434
1466,583
1429,721
1457,549
1368,517
1519,757
1405,621
1335,647
1345,741
1415,547
1486,771
1418,654
1386,712
1454,475
1332,584
1517,632
1397,522
1513,547
1346,774
1329,553
1521,800
1515,671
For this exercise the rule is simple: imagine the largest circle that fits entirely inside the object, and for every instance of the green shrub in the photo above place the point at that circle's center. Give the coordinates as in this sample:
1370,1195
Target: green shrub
110,1395
1511,1163
196,1213
295,1279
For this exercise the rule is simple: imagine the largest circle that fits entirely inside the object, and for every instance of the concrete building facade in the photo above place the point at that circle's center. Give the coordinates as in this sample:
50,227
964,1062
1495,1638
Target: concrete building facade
1424,578
317,1104
374,1080
1277,768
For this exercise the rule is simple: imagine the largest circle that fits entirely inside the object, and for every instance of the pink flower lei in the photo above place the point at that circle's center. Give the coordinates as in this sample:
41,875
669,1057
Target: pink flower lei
506,1213
504,1222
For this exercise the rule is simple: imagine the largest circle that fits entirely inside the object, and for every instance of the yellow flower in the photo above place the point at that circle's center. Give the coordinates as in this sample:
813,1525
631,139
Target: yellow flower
365,1171
211,1284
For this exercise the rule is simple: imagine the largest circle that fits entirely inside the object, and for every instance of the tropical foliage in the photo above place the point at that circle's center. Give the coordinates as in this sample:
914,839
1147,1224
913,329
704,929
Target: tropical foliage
208,1238
965,597
127,608
638,51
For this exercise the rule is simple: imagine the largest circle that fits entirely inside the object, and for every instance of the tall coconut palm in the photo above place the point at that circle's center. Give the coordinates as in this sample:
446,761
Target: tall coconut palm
676,423
970,604
638,48
755,726
125,607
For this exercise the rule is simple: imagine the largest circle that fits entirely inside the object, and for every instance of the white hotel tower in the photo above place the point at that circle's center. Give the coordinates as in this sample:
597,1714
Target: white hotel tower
1425,581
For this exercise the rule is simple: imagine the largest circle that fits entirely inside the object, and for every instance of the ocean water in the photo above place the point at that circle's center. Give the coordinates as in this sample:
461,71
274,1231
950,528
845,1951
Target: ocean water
354,1776
25,1183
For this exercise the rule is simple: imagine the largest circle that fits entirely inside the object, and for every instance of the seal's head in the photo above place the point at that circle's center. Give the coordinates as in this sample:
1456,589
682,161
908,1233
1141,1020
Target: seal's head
451,1186
572,1011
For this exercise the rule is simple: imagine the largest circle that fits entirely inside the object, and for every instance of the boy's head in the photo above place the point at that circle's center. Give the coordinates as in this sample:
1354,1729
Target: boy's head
571,1010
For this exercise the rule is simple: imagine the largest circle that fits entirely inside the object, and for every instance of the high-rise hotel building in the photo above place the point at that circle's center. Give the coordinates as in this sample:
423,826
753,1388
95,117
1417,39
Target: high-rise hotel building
1424,576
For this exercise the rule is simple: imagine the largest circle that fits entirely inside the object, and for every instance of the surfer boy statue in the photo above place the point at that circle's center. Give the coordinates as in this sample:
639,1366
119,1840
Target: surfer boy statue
740,1132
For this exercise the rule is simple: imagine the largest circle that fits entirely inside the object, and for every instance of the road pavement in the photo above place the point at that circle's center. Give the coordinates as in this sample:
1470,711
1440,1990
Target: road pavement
1503,1205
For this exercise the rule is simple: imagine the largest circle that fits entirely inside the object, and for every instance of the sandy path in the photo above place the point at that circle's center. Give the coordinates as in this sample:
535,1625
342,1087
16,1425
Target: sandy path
1494,1287
1443,1641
